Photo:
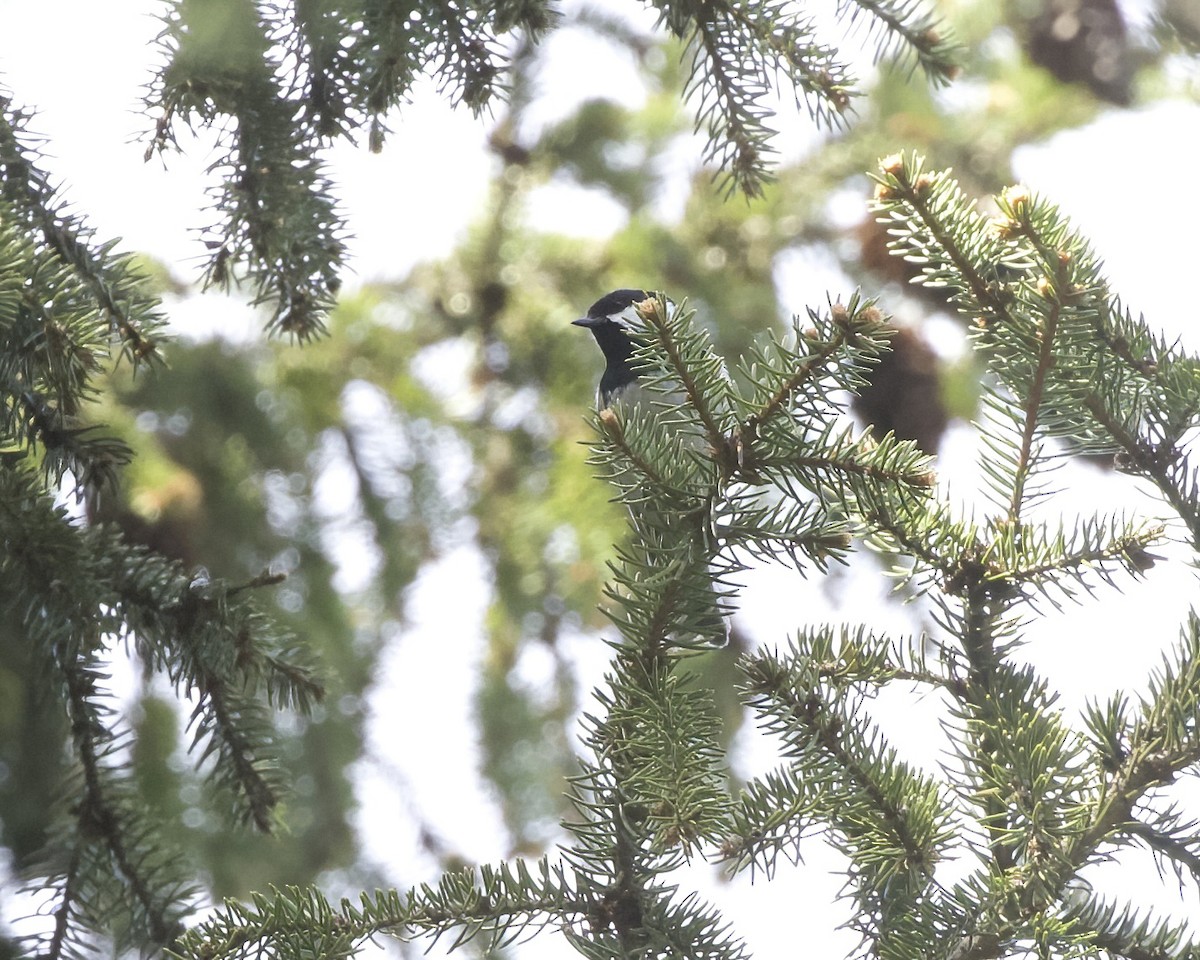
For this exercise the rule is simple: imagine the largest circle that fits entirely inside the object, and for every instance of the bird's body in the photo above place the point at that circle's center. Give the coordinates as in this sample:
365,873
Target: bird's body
612,319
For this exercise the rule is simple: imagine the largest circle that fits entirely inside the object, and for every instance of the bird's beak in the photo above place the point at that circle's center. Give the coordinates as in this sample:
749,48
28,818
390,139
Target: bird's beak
584,322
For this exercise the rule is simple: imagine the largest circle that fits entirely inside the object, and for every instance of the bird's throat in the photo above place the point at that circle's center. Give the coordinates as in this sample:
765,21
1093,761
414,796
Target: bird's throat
618,356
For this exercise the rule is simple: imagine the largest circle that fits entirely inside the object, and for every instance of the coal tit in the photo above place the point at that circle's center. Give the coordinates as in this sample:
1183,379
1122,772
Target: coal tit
609,319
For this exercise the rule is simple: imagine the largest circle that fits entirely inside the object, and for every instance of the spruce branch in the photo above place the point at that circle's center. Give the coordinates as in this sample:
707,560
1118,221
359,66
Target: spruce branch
617,860
732,52
113,283
1121,931
471,61
1031,766
940,550
73,591
497,904
781,398
1032,403
792,383
277,215
1064,346
832,467
685,357
225,656
783,531
64,308
323,84
669,589
777,811
1039,558
935,225
234,731
1049,349
63,941
980,633
1041,846
661,739
741,51
906,31
1168,468
1166,738
104,819
849,465
846,657
277,83
103,861
632,442
85,454
606,896
902,836
1174,844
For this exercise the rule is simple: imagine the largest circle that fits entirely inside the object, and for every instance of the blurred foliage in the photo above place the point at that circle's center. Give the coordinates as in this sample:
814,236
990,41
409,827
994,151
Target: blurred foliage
446,409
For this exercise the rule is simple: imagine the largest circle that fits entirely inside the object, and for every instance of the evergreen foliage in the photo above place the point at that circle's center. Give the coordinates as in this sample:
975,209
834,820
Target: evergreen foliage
1026,800
985,856
279,83
76,592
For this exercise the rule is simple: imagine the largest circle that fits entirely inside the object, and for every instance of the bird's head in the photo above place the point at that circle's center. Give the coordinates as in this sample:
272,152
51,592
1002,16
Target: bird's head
613,316
611,319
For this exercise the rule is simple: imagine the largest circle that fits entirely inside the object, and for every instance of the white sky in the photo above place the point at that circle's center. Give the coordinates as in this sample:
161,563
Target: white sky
1127,181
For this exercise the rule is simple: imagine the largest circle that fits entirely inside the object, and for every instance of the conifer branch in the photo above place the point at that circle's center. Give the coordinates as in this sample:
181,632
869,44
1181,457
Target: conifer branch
100,818
781,397
681,360
786,693
738,137
1121,932
1168,468
112,856
63,308
223,721
785,531
905,27
775,813
978,639
59,943
927,534
851,461
860,657
836,345
661,739
278,215
1179,849
1093,556
114,285
1032,404
945,231
86,453
100,585
613,428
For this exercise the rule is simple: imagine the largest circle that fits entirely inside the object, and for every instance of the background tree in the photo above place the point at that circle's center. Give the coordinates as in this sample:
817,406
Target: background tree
458,372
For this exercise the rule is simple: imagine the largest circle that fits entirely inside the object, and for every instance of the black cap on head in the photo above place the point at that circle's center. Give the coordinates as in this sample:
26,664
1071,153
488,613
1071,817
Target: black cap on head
617,301
610,305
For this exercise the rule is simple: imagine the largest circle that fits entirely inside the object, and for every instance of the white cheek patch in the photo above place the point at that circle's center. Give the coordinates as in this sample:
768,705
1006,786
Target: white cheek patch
630,319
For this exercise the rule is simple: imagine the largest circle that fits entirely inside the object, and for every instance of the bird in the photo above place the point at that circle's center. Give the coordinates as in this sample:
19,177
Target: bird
611,320
615,322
